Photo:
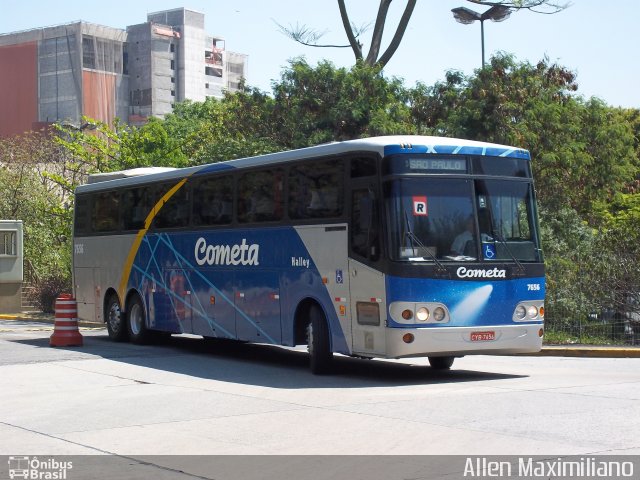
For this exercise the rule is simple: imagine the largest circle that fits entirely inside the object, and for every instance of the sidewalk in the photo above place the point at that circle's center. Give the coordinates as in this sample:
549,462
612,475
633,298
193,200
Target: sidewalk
591,351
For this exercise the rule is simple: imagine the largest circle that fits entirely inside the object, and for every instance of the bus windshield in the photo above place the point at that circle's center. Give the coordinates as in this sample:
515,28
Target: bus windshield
461,220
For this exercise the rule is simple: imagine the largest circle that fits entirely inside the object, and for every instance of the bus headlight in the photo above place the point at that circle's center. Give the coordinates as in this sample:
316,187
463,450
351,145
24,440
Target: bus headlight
418,314
422,315
528,311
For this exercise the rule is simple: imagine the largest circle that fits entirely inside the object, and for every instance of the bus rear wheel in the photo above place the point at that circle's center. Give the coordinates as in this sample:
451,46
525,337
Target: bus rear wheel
441,363
115,322
318,343
136,322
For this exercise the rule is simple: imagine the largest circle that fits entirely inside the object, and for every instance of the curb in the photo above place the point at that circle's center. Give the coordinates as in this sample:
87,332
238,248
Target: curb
45,318
589,351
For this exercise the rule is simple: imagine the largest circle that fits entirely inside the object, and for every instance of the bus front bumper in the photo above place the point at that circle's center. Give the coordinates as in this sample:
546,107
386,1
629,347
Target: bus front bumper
459,341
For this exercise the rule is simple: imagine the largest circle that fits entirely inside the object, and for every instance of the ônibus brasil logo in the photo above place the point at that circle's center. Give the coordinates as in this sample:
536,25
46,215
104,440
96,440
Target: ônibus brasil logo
34,468
242,254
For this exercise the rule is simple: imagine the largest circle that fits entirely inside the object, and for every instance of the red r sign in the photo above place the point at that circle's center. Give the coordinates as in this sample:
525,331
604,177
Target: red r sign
420,206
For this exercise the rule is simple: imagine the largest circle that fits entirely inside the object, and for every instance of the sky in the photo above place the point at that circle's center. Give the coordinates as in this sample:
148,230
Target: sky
597,39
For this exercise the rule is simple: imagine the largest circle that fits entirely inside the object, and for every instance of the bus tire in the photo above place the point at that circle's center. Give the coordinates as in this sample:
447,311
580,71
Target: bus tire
136,322
115,322
318,342
441,363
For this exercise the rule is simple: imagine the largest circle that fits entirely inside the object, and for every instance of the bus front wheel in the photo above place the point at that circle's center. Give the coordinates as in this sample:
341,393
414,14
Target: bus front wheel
115,322
318,342
441,363
136,322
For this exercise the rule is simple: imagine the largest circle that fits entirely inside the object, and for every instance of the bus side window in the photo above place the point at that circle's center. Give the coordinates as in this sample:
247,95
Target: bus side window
363,167
136,206
105,212
364,234
175,211
82,214
316,190
260,196
213,201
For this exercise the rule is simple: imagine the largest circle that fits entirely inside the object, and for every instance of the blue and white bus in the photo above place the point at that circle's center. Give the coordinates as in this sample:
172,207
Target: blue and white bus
388,247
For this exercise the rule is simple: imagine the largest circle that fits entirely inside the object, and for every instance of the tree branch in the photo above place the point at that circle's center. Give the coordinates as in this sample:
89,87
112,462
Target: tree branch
532,5
353,41
397,38
378,29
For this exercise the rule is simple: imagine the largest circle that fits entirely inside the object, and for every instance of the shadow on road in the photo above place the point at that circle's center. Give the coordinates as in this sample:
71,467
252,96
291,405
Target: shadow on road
260,365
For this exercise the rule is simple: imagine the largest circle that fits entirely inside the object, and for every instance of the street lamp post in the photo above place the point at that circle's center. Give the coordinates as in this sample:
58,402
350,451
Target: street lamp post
466,16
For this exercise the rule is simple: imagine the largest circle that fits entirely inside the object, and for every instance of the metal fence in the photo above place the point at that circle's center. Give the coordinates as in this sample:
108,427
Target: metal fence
617,331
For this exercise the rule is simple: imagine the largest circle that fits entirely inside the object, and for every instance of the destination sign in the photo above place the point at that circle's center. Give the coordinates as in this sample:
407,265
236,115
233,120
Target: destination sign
437,164
425,164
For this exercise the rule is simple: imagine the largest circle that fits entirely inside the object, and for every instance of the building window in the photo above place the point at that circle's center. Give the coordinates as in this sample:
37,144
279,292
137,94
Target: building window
172,47
173,64
8,243
213,72
88,52
173,93
173,79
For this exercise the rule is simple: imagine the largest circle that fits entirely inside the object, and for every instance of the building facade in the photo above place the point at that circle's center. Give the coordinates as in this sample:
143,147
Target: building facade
58,74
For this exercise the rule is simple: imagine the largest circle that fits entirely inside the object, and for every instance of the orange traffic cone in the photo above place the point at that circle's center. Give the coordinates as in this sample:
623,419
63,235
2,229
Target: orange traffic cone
65,331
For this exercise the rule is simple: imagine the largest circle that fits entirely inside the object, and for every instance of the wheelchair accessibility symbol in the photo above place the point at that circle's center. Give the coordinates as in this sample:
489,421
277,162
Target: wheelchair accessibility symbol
489,251
339,277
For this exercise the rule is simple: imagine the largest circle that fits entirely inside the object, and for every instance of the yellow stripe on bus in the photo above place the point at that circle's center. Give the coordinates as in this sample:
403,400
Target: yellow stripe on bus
133,251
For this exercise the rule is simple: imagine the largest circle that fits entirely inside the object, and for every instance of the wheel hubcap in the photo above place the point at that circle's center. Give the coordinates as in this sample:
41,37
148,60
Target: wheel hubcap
114,317
135,319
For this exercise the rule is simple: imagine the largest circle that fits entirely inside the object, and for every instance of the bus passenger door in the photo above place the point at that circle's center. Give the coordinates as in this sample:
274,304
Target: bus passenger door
257,300
368,307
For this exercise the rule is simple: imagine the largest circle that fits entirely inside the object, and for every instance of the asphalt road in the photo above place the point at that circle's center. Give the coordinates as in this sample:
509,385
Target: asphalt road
187,397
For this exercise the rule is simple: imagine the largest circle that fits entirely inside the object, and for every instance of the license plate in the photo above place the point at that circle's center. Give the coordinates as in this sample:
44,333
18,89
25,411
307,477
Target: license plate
483,336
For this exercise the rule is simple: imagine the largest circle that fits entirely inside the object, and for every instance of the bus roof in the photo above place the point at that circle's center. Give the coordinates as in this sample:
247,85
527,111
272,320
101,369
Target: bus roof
134,172
384,145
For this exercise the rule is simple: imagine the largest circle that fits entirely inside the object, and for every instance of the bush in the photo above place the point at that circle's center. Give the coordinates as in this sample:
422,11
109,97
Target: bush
48,289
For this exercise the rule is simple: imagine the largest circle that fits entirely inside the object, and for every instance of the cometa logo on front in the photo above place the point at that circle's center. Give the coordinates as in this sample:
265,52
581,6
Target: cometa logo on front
464,272
242,254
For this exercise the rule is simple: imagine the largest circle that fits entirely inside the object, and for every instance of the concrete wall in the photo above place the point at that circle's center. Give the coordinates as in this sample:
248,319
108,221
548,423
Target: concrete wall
10,297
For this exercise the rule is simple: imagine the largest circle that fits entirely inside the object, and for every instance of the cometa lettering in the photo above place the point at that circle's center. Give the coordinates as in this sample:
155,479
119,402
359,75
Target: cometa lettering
242,254
464,272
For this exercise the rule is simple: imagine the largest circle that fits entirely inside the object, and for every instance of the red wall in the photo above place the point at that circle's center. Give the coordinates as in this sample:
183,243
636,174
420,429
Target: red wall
18,88
99,96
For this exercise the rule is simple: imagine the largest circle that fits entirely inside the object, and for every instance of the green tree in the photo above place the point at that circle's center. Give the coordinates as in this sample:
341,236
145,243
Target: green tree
30,195
325,103
616,280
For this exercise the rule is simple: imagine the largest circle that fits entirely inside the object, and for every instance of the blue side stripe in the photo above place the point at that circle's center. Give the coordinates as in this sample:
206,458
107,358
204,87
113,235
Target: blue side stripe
236,308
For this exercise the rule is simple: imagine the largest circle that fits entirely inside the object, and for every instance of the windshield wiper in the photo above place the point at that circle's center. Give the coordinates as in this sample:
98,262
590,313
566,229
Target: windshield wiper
414,239
501,239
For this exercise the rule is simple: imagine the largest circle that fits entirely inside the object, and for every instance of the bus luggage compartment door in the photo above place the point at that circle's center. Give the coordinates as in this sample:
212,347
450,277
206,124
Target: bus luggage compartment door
257,299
